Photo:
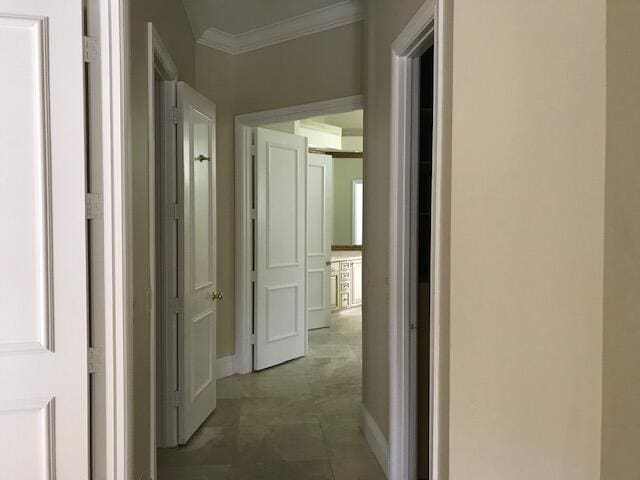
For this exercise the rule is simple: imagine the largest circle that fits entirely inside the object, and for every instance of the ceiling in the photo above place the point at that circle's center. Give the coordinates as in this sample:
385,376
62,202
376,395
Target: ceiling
238,26
350,122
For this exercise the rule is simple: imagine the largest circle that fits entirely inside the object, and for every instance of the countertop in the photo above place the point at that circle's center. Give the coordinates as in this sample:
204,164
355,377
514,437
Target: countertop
340,255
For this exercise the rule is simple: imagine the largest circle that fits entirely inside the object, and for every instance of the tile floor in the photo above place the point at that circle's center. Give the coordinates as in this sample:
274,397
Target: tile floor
297,421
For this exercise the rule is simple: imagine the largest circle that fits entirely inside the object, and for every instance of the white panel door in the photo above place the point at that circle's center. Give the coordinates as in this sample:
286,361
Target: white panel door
43,246
197,267
319,223
280,305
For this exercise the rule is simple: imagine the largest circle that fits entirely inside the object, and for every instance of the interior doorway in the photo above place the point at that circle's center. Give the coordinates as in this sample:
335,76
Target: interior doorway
182,300
418,360
297,411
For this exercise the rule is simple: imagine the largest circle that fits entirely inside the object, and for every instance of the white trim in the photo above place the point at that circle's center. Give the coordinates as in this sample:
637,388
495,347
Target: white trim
226,366
157,58
117,218
326,18
422,31
375,438
243,178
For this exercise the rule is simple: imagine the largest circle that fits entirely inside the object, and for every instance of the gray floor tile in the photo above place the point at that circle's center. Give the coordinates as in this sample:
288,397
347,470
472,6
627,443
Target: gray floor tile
296,421
356,468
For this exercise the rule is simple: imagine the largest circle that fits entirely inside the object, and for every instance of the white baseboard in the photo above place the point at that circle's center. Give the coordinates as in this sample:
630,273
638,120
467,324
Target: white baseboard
375,439
225,367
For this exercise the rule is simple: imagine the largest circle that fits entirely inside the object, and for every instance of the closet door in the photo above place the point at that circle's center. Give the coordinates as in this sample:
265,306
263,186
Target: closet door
319,223
44,426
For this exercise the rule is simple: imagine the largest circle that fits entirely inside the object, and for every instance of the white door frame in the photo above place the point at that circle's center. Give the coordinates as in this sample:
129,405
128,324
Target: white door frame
243,206
158,59
111,102
424,30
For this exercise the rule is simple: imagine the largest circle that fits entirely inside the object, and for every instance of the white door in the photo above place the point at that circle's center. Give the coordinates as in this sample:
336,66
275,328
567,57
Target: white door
319,222
197,267
280,306
43,246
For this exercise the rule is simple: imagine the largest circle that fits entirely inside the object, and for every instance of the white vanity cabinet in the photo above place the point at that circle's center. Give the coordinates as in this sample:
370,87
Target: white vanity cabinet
346,281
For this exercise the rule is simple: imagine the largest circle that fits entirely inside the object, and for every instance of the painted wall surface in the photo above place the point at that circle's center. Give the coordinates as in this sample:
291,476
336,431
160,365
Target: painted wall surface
345,171
527,239
621,388
317,67
170,21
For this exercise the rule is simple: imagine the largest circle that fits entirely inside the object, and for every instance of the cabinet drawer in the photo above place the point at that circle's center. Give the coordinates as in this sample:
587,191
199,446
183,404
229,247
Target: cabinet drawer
344,266
345,275
345,287
344,300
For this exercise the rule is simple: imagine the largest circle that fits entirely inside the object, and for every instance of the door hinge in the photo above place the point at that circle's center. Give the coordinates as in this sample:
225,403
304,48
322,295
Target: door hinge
252,149
253,214
253,339
95,359
179,305
173,115
93,205
90,49
177,212
254,276
178,399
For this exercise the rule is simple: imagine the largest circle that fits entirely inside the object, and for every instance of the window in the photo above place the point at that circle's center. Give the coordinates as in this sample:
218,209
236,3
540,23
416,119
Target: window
357,212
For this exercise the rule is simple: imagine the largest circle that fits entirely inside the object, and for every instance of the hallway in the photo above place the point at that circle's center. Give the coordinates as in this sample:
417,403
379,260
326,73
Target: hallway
297,421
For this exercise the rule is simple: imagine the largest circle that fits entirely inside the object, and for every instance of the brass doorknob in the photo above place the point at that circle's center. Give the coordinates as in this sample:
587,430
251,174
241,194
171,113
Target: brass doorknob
215,296
328,262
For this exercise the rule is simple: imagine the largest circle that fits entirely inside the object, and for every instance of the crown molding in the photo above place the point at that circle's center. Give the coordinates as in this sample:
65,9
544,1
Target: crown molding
333,16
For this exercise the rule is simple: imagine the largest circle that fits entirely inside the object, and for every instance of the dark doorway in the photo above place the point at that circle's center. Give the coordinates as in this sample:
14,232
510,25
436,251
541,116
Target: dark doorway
425,168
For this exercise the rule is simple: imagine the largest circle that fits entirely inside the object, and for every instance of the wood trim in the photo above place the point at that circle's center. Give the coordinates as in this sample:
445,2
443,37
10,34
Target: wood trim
345,248
158,58
332,16
333,154
118,225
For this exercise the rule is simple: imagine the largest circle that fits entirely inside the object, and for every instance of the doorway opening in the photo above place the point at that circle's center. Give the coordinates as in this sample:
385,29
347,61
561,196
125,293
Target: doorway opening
295,411
418,330
423,291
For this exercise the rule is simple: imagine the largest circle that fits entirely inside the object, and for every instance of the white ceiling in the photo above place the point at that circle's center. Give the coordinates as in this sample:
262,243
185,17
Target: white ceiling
350,122
240,16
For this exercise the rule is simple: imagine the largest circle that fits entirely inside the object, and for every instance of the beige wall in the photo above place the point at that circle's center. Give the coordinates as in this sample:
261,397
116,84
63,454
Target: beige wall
621,396
527,209
170,20
527,238
316,67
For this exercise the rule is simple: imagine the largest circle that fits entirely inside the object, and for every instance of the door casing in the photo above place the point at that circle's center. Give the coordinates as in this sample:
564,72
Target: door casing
430,26
159,60
244,127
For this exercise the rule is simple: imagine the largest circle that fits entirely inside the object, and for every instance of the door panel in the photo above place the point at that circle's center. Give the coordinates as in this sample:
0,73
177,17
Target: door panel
197,339
356,283
281,168
43,253
319,228
334,292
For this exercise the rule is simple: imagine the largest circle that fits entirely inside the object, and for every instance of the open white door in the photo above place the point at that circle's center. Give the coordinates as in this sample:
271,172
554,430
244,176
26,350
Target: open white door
197,267
280,263
319,220
43,248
